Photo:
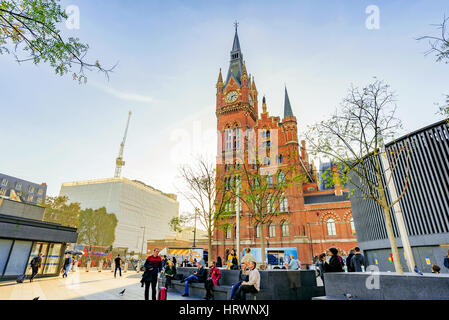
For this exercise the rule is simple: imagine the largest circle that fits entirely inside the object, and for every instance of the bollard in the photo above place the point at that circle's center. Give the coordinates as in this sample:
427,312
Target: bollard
112,266
88,266
125,269
100,266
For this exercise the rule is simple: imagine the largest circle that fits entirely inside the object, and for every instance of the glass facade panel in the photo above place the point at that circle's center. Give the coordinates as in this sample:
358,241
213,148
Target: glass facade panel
38,247
52,261
5,247
18,259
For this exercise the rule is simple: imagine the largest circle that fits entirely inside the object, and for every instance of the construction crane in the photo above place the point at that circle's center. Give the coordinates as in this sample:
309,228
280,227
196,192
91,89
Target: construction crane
119,163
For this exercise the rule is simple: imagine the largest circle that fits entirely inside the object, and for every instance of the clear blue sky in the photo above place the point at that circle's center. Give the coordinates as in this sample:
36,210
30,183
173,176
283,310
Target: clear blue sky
169,54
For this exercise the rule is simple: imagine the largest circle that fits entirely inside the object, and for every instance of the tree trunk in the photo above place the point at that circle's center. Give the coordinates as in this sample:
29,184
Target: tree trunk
210,256
262,243
389,227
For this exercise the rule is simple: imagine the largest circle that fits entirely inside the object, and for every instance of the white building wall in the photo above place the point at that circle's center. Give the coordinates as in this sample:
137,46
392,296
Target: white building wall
135,205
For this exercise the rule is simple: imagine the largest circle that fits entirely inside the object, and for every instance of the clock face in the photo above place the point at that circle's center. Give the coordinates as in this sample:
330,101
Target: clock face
232,96
250,100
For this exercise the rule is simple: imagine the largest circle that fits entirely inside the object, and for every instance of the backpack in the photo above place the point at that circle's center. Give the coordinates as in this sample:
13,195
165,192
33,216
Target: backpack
20,278
34,262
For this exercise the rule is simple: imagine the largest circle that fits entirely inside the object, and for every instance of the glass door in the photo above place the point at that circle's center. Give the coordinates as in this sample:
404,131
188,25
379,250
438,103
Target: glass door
38,247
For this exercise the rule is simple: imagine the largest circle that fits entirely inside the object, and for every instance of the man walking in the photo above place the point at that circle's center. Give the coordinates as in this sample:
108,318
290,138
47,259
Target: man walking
67,265
35,265
118,265
198,276
153,265
358,260
250,286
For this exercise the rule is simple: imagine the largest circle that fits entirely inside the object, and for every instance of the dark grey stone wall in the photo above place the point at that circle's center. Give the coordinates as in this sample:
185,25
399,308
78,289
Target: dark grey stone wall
391,286
275,284
21,209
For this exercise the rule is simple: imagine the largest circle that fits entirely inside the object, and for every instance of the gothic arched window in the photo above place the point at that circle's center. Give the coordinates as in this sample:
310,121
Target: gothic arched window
331,230
272,230
285,231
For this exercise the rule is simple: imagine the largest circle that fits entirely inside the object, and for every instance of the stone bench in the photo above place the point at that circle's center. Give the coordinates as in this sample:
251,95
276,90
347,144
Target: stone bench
275,285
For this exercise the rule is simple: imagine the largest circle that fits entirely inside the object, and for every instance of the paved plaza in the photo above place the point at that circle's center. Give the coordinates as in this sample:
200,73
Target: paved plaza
80,285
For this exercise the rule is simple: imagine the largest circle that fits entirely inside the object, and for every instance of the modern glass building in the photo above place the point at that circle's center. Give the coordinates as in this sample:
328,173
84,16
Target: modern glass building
23,235
425,204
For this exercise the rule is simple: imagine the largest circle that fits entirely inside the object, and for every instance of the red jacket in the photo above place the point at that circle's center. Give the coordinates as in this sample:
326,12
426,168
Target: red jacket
215,275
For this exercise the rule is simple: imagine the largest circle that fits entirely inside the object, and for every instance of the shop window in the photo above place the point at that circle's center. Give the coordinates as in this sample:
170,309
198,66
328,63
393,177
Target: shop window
53,257
18,258
5,247
2,192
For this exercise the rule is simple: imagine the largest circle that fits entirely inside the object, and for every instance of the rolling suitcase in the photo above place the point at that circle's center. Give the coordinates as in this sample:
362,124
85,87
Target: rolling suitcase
162,294
20,278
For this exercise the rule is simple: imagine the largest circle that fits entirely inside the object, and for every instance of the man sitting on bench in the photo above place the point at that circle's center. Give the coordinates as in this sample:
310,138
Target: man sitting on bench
250,286
199,275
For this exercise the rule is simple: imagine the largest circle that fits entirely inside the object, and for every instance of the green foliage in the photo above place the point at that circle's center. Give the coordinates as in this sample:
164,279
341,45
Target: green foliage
178,224
97,227
28,30
57,210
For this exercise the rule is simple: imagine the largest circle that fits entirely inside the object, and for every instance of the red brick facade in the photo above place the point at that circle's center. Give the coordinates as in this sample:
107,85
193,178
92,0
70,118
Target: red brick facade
313,220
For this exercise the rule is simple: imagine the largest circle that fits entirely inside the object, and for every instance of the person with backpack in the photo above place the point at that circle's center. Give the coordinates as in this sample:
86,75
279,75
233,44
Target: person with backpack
348,261
35,263
67,265
358,260
335,263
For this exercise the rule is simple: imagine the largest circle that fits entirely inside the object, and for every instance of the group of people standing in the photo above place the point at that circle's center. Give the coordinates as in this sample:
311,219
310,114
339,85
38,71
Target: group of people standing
355,262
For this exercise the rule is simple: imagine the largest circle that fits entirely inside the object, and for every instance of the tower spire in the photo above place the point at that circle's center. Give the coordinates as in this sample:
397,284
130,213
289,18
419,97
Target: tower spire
287,107
236,63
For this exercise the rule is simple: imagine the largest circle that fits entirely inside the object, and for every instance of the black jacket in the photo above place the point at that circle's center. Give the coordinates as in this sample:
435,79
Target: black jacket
357,261
348,262
243,277
334,265
201,274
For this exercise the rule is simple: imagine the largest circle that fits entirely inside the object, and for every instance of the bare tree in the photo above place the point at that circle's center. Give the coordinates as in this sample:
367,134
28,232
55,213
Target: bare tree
439,45
204,192
262,188
353,139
